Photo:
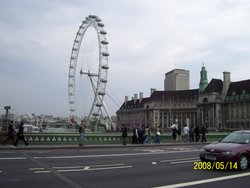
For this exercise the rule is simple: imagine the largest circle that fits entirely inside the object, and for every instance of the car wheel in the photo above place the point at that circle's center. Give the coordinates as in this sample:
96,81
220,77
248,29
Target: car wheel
243,162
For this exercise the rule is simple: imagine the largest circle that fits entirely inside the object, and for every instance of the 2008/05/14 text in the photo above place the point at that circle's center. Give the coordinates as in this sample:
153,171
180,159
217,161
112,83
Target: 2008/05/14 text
215,165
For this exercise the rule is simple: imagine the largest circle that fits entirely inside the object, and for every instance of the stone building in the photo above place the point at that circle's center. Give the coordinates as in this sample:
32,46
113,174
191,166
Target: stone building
218,105
161,108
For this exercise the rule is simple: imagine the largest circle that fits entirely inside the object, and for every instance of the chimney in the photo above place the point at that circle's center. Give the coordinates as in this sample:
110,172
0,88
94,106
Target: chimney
226,77
135,97
126,99
226,83
152,90
141,96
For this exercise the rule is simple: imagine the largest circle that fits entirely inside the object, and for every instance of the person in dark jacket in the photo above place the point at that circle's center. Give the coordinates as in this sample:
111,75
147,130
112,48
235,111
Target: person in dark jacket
11,133
191,134
124,134
20,135
203,134
197,133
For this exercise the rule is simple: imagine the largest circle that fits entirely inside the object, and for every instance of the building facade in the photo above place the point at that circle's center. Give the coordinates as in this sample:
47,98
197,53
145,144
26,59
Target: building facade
162,108
218,105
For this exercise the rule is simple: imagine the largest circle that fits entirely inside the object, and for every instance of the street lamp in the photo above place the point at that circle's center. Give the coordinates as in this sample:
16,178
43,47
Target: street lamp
7,108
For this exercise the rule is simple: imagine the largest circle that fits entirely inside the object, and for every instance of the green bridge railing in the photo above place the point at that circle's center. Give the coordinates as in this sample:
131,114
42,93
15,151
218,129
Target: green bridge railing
109,138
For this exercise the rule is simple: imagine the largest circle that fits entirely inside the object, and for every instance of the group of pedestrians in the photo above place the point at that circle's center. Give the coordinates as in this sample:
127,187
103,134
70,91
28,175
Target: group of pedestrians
142,135
15,136
190,134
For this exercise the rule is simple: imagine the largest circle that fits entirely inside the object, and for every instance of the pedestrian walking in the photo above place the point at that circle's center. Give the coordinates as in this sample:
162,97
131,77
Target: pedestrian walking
197,133
146,136
135,138
82,129
178,134
20,135
174,132
124,134
140,135
191,134
11,133
186,133
157,135
203,134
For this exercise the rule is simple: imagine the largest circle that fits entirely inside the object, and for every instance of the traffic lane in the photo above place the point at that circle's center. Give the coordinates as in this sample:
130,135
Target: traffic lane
18,173
122,149
135,168
229,181
240,182
134,158
159,169
143,175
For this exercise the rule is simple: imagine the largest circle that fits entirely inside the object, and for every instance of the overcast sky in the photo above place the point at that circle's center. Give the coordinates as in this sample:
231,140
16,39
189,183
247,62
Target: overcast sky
147,38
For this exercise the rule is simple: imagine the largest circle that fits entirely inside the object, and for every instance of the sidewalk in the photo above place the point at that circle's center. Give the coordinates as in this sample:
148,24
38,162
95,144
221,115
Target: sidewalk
23,147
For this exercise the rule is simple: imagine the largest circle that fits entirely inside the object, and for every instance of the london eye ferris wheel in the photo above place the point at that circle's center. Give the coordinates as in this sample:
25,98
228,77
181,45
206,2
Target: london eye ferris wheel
88,73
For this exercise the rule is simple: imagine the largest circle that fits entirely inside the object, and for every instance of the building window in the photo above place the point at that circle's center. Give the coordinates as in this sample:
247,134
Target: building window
237,113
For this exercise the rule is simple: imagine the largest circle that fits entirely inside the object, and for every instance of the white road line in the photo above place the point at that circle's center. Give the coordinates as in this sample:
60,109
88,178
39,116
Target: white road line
112,155
13,158
70,167
179,162
36,168
42,172
1,171
181,159
205,181
94,169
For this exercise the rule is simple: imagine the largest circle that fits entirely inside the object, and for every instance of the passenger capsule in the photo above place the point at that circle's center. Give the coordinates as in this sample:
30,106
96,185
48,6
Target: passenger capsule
100,24
104,42
103,32
105,54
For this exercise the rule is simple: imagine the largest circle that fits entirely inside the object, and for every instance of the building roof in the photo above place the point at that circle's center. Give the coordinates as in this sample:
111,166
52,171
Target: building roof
215,85
183,95
179,95
177,70
134,103
236,88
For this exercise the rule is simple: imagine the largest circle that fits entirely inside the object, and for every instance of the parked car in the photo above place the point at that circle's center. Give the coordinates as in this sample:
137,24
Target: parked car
233,148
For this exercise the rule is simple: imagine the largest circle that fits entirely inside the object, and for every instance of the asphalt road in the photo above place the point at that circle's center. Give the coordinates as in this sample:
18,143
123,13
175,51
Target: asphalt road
158,166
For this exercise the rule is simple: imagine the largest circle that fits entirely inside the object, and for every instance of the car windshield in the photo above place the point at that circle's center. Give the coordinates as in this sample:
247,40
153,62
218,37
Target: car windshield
237,137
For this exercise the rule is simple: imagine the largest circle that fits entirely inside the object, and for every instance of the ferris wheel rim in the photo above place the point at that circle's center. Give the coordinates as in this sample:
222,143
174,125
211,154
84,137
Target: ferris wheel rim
90,22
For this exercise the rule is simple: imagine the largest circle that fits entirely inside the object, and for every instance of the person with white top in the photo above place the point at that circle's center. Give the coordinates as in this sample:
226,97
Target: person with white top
186,133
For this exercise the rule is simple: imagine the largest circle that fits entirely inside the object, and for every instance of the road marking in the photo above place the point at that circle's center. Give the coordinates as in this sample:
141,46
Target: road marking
179,162
112,155
181,159
36,168
205,181
69,167
39,170
42,172
150,150
94,169
81,168
13,158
